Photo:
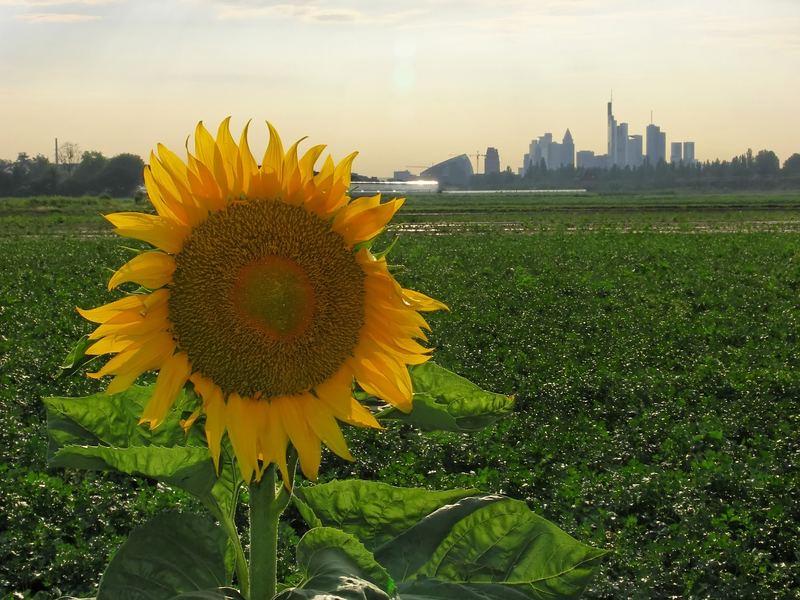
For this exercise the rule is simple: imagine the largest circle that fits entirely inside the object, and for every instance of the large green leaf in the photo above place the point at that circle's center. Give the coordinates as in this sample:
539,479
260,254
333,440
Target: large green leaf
187,467
337,566
489,540
102,432
444,401
113,420
433,589
171,555
223,593
374,512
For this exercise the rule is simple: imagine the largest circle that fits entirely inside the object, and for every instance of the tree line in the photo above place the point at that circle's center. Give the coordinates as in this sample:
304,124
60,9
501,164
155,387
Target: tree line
94,174
761,170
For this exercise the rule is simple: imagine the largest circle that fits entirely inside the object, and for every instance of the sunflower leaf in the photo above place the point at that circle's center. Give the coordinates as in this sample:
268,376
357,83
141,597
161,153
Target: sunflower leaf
444,401
112,420
487,547
173,555
372,511
186,467
101,432
337,566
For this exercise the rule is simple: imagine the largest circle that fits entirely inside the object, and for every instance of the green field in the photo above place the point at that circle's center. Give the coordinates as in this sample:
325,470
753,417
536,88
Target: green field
651,342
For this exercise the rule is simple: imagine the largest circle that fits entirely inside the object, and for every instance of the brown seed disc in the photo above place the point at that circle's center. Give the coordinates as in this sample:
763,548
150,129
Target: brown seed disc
266,299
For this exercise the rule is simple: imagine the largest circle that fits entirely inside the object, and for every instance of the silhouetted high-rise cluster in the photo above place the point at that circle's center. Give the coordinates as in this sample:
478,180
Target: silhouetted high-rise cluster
624,150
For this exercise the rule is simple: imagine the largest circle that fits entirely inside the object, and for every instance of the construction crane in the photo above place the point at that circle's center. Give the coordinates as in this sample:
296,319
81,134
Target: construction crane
478,157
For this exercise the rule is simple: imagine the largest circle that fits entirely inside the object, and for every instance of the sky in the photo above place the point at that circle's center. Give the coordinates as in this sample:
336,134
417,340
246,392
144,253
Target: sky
407,84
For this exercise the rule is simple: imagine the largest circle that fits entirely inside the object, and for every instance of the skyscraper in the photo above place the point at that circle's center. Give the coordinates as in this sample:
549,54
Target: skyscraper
622,143
656,145
633,152
688,153
567,150
491,163
676,153
612,137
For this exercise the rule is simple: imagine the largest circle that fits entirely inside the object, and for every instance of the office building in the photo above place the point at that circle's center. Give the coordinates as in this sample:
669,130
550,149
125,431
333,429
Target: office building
633,152
586,159
567,150
688,153
491,162
656,145
676,153
544,152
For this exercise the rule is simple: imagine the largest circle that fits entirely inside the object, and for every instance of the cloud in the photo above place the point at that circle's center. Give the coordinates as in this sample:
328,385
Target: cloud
48,3
307,12
319,11
56,17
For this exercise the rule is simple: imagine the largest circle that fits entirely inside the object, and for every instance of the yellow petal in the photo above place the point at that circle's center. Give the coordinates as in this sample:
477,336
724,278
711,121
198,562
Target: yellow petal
171,378
110,345
272,439
162,233
214,407
209,153
300,433
242,433
247,164
291,178
349,410
384,382
324,426
230,155
273,157
102,313
420,301
366,224
150,269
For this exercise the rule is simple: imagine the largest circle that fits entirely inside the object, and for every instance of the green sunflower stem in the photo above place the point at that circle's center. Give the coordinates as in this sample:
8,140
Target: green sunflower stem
265,514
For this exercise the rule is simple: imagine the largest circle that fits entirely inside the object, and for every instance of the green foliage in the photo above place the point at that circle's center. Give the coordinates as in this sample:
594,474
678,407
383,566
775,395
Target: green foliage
337,567
444,401
102,432
652,355
425,539
173,556
372,511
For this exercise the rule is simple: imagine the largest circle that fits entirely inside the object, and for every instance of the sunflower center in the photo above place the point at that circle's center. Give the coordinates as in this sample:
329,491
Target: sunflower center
266,299
276,294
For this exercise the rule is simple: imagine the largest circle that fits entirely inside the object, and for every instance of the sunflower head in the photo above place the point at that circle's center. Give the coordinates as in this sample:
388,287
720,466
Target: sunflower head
265,297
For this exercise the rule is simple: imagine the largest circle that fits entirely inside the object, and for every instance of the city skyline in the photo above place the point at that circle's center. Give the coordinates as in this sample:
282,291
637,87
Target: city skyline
404,86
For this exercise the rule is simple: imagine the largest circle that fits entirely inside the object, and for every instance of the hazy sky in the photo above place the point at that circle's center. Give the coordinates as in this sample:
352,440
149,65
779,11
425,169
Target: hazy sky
405,83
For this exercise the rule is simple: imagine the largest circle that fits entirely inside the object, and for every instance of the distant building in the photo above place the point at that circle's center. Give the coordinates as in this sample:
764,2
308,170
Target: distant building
656,145
404,176
612,137
455,171
491,163
586,159
688,153
621,142
676,153
567,150
544,151
633,152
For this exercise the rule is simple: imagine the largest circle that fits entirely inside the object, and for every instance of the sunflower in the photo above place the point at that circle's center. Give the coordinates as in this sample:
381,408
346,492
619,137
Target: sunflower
264,294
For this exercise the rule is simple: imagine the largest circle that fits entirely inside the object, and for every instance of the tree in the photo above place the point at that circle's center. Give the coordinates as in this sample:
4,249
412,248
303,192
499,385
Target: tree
792,165
68,154
122,174
85,179
767,163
